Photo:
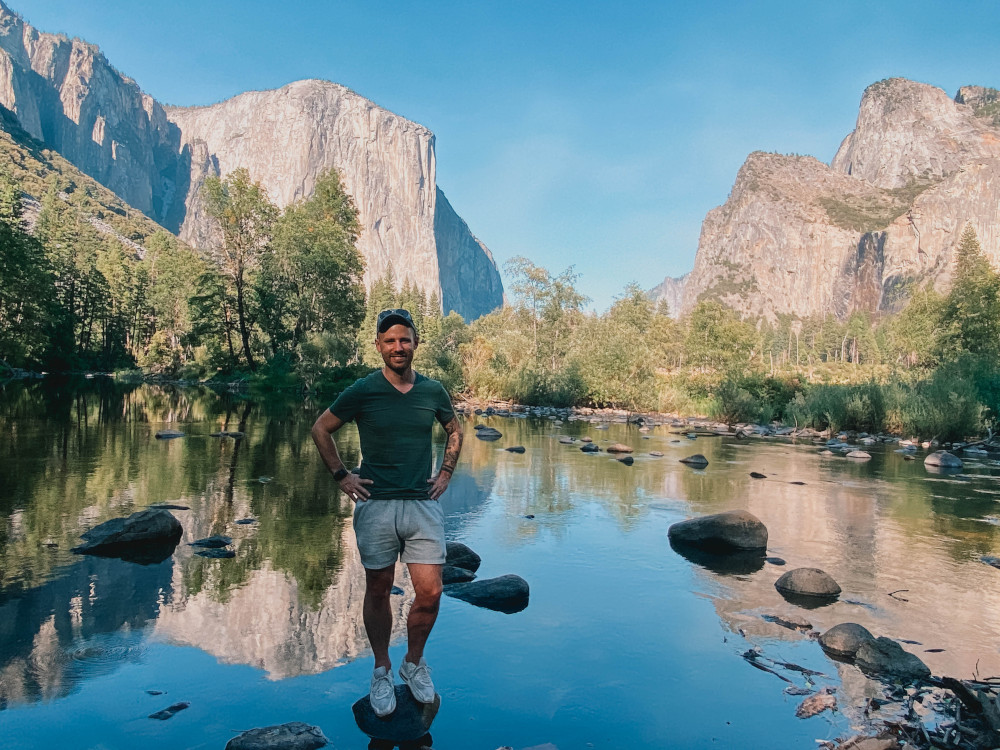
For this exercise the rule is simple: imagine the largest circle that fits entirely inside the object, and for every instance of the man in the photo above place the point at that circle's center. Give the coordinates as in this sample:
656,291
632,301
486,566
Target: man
396,509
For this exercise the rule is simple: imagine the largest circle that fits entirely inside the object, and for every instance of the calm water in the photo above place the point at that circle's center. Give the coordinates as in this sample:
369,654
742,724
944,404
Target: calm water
625,643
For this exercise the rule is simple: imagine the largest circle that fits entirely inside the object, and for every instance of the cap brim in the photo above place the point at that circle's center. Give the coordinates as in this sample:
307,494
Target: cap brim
393,320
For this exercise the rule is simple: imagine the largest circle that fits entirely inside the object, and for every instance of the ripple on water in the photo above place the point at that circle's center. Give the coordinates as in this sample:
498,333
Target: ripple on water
100,656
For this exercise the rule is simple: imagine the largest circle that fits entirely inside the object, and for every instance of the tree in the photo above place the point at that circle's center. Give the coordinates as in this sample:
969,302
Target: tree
970,318
717,339
246,221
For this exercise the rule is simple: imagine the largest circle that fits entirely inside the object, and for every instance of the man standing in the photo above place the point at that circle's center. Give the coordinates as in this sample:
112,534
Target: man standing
396,509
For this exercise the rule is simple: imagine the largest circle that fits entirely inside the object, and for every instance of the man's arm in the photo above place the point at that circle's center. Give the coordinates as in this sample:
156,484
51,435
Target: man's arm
452,450
322,434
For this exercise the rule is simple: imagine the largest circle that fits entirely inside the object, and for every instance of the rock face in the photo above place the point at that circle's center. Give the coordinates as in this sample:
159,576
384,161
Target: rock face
66,93
883,656
735,529
671,291
845,639
799,237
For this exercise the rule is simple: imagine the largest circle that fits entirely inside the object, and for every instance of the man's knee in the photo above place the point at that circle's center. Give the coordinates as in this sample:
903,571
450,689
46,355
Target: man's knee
378,583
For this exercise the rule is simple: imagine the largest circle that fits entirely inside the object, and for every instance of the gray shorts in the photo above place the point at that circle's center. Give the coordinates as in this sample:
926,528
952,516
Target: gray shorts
407,530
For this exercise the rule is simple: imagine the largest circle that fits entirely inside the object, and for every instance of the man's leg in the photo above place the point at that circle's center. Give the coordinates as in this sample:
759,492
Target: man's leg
378,614
426,581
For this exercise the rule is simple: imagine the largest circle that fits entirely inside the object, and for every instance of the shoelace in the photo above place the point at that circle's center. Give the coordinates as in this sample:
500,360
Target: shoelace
382,687
421,674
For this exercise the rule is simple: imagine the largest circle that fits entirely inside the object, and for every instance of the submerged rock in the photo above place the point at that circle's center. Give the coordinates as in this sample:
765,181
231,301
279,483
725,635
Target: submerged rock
883,656
845,639
410,721
732,530
567,440
507,593
944,460
461,556
295,735
169,711
454,574
213,541
697,460
515,449
144,528
758,475
619,448
627,460
168,434
817,703
808,582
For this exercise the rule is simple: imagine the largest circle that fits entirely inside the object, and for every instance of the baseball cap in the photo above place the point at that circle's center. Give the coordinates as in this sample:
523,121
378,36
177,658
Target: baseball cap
397,316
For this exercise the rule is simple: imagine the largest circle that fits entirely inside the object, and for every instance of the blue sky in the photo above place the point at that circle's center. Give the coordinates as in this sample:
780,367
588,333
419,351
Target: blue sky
581,133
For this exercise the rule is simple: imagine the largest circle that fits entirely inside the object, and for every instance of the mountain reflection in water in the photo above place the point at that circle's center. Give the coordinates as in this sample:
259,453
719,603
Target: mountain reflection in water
587,532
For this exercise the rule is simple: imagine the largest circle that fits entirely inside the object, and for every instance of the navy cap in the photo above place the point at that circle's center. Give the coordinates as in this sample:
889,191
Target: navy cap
398,316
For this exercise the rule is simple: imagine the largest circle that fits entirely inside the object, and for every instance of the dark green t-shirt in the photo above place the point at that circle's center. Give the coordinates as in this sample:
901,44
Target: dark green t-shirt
395,430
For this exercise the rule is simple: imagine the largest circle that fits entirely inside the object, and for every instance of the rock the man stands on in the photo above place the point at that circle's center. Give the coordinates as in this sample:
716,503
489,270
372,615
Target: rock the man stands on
396,509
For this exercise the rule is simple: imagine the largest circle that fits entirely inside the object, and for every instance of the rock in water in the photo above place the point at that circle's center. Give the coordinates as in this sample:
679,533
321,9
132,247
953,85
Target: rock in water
567,440
758,475
860,455
454,574
944,460
697,460
410,721
845,639
732,530
489,434
295,735
619,448
817,704
627,460
656,454
150,527
213,541
883,656
808,582
461,556
515,449
590,448
168,434
169,711
507,593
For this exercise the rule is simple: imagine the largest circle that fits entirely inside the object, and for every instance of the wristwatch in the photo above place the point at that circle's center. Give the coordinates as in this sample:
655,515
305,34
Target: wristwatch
340,474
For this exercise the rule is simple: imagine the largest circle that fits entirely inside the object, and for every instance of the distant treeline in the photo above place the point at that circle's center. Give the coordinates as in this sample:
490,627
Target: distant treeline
278,300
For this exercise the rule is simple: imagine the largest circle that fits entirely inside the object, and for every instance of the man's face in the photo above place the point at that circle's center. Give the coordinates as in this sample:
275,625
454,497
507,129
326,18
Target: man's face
396,346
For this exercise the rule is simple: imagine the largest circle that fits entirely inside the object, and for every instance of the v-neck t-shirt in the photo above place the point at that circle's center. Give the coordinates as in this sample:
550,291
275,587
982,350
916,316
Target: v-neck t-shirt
395,430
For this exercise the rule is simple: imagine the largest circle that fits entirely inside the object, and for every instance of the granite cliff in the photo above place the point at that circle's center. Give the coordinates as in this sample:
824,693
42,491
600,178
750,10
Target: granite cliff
65,93
799,237
671,291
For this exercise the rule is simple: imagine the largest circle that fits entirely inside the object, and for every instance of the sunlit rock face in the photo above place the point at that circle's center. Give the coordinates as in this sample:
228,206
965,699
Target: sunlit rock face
798,237
66,93
671,291
265,623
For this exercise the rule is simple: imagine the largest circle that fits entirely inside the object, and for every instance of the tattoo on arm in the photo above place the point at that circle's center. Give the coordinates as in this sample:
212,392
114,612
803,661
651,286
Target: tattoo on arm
454,446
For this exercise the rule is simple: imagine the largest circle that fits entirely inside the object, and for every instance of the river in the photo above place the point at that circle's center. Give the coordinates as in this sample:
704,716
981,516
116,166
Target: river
624,644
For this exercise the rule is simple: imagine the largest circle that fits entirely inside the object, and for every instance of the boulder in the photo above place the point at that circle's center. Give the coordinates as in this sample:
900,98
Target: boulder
515,449
883,656
619,448
845,639
697,460
489,434
860,455
627,460
943,460
590,448
507,593
461,556
809,582
152,526
732,530
586,440
410,721
454,574
168,434
295,735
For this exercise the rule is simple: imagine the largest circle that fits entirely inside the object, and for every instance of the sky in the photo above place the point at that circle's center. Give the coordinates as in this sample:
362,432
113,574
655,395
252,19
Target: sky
588,134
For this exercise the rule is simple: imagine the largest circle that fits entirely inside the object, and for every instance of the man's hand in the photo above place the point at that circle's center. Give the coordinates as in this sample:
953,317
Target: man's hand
439,484
354,487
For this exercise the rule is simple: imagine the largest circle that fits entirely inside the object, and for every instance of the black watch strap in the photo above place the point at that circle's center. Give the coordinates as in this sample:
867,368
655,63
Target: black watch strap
340,474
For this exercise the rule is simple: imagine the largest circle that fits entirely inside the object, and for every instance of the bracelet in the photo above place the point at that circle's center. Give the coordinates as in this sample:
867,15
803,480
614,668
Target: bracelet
449,469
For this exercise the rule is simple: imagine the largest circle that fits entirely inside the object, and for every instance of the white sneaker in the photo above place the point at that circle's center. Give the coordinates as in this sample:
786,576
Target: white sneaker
382,694
418,678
